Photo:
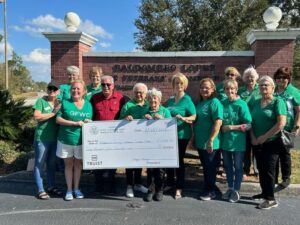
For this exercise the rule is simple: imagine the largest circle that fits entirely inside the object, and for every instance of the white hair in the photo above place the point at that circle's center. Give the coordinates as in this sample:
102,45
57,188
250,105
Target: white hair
154,92
250,71
268,79
107,77
73,70
142,85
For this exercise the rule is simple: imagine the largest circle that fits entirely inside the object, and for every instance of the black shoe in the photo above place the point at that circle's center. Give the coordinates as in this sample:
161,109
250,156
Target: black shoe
285,183
159,196
257,197
148,197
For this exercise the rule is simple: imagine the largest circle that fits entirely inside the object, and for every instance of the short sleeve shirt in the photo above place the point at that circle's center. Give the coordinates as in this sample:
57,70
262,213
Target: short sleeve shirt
220,92
135,110
65,92
264,118
235,113
208,111
291,96
72,135
164,112
184,107
45,130
91,91
246,95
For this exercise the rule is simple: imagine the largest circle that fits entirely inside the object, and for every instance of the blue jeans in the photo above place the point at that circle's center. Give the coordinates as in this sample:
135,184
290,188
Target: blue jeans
233,165
210,162
44,152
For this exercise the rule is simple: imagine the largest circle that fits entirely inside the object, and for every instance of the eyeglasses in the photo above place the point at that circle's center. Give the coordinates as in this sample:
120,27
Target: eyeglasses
139,92
52,89
281,78
106,84
230,74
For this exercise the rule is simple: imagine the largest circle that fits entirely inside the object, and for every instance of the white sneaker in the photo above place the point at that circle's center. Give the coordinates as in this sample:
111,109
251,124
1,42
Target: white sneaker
140,188
129,192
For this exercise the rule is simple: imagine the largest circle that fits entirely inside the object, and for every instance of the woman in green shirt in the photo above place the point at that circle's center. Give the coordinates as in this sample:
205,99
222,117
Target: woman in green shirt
73,74
236,121
182,108
71,117
291,95
155,176
248,91
268,118
135,109
207,135
45,140
95,77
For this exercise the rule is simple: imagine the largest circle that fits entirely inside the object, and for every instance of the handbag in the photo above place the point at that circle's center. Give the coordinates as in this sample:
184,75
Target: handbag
287,138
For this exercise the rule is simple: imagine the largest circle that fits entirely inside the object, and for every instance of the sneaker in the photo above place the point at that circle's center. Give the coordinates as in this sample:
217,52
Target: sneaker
140,188
69,196
129,192
207,197
227,194
234,197
148,197
285,183
268,204
158,196
258,197
78,194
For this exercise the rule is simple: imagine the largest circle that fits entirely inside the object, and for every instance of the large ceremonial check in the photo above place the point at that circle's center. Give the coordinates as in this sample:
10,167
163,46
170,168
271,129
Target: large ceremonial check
134,144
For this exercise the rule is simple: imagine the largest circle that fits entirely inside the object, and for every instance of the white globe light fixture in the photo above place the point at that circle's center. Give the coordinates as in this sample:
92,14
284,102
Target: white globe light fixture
272,16
72,21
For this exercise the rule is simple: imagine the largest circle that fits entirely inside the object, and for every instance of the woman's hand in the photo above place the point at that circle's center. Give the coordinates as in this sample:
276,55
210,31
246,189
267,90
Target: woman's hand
209,146
129,118
157,116
87,121
148,117
56,108
261,139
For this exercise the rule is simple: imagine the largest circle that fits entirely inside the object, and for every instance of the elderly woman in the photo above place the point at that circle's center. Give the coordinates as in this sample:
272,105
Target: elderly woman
231,73
95,77
236,120
291,96
45,140
155,176
269,117
73,114
135,109
248,91
207,135
73,74
183,109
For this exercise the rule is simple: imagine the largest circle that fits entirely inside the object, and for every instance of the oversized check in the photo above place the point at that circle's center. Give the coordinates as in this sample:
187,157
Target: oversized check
134,144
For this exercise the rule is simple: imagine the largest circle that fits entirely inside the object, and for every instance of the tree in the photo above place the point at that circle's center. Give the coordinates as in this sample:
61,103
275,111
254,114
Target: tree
182,25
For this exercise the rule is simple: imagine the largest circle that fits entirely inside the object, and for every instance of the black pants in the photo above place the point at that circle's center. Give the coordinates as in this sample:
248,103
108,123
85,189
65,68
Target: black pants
285,162
249,156
155,179
105,180
133,176
180,172
267,156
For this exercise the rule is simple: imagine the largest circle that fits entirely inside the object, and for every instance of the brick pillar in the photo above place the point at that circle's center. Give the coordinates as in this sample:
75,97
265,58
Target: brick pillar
272,49
67,49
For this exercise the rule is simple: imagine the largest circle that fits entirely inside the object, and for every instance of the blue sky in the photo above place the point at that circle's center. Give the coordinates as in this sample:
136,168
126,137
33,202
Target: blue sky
110,21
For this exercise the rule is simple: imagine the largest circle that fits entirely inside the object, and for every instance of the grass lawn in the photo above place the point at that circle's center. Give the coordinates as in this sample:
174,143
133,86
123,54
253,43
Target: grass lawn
295,166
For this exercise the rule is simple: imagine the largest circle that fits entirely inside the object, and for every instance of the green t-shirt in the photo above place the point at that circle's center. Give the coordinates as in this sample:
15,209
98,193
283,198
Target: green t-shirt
208,111
291,96
247,95
264,118
65,92
91,91
220,92
235,113
71,135
135,110
184,107
45,130
164,112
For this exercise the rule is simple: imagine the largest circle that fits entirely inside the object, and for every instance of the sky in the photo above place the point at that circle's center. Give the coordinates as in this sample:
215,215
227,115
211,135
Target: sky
110,21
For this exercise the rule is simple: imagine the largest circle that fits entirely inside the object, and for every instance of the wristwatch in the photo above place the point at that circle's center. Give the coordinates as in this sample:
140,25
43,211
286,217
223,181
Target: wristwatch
296,127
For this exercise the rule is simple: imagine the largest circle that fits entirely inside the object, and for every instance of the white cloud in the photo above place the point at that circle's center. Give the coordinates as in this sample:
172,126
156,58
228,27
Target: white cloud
38,55
104,45
9,50
49,23
90,28
39,72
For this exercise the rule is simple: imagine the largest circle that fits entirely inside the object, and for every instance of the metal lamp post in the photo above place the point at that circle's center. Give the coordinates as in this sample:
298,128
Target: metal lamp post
5,45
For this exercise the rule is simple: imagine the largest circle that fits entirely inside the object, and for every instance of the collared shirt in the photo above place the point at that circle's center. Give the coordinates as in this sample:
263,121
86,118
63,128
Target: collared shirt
107,108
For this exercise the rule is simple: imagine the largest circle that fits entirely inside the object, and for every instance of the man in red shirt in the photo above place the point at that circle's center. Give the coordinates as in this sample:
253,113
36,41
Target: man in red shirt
106,106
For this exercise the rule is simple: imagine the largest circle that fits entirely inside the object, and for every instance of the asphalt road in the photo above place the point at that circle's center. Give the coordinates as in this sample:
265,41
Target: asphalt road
19,206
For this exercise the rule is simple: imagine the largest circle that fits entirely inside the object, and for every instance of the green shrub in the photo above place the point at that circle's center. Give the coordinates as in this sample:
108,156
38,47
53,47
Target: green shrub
8,153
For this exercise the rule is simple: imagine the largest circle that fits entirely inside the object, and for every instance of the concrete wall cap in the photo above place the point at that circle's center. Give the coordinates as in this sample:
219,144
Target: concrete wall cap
68,37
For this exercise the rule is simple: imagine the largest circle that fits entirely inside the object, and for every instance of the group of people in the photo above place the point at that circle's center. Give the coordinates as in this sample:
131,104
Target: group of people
227,122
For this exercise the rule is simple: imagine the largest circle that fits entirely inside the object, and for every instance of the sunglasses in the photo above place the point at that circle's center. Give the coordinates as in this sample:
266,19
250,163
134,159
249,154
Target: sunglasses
51,89
106,84
281,78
